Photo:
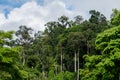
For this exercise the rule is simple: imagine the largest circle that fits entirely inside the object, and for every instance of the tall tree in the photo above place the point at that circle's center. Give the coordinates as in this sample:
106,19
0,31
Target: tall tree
61,46
76,39
96,24
24,39
78,20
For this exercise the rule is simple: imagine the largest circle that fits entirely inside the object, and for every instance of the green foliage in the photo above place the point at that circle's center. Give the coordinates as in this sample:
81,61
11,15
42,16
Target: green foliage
58,53
61,76
104,66
23,74
109,39
9,59
115,18
5,37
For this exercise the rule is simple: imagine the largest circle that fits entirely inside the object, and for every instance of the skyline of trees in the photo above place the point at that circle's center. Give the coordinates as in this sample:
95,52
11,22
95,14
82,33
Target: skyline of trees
66,50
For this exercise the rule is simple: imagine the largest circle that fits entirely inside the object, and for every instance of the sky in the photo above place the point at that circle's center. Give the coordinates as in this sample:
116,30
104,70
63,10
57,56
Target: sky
36,13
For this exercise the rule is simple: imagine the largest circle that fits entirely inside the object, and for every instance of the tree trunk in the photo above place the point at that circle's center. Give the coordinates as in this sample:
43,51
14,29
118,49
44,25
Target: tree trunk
61,60
23,58
75,62
43,72
87,47
78,66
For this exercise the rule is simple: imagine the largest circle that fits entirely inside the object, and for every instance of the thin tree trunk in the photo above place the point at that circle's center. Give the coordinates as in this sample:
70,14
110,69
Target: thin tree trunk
61,60
87,47
75,62
78,66
56,70
23,58
43,72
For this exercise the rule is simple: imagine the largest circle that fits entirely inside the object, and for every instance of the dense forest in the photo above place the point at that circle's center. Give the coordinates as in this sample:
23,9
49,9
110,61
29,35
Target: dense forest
67,49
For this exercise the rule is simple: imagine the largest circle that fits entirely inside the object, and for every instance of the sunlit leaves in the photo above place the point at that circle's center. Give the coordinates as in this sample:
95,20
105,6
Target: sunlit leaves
109,39
106,65
9,57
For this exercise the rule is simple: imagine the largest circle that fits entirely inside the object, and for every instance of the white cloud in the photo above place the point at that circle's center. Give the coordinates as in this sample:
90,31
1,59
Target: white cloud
33,15
2,18
104,6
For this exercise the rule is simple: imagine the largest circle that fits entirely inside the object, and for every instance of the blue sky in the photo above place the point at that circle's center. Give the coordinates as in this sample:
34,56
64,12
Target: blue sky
8,5
17,3
35,13
11,4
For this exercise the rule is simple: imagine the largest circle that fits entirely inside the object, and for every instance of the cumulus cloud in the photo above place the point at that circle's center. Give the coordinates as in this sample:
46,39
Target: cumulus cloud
33,15
2,18
104,6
